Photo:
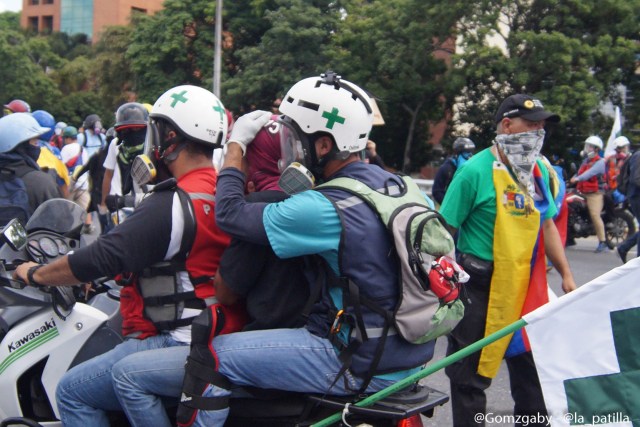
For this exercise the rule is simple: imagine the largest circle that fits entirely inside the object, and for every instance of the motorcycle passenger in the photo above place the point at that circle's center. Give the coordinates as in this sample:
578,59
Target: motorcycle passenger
613,165
590,182
325,126
19,152
173,245
500,203
463,149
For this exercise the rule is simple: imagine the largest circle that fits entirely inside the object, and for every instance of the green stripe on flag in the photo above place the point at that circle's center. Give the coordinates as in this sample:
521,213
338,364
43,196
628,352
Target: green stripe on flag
32,345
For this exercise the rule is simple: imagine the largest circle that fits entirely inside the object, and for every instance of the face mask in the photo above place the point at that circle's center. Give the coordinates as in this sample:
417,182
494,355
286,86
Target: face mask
30,151
462,159
522,150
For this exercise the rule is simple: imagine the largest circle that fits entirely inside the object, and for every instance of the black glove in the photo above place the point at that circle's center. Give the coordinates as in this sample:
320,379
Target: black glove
115,202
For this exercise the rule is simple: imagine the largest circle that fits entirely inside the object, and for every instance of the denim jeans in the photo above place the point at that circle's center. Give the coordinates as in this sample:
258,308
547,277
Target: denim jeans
284,359
102,384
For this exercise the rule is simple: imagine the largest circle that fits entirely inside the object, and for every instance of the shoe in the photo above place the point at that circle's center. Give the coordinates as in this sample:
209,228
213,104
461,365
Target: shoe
88,229
602,247
622,254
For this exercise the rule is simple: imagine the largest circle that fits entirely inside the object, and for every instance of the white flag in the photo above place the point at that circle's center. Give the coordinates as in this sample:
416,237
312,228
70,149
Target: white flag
586,346
616,131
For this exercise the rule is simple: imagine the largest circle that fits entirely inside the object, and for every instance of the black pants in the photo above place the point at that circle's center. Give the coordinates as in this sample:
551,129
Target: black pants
467,387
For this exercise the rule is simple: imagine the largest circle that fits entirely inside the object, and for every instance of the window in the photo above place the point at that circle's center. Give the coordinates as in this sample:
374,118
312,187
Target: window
138,10
47,1
33,23
47,24
34,2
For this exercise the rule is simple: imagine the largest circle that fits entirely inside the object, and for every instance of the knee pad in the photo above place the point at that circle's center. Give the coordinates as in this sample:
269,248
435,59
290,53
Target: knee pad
201,368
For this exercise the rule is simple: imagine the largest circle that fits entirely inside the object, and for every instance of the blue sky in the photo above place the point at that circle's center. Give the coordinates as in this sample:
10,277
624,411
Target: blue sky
13,5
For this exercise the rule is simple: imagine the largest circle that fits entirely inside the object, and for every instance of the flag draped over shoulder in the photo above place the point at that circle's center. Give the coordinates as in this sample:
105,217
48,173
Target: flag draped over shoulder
586,346
616,131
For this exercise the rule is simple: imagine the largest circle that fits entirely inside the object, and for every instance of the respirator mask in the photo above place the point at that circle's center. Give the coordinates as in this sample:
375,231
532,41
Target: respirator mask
151,165
294,177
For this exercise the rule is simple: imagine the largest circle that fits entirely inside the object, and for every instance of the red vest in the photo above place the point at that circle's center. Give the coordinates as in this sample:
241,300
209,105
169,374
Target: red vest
591,185
202,261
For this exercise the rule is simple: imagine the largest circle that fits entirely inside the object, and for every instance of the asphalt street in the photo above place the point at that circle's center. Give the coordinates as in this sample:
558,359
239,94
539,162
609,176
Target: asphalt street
585,265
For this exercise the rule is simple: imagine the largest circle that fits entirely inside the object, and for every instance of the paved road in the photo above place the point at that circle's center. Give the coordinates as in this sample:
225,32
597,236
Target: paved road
586,265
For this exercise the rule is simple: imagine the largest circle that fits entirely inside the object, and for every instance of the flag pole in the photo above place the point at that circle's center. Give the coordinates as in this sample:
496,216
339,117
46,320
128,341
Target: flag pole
443,363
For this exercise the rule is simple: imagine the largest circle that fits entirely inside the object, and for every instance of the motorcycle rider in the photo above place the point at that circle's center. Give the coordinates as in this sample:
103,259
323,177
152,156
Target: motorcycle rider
49,159
174,267
19,151
590,182
463,149
325,125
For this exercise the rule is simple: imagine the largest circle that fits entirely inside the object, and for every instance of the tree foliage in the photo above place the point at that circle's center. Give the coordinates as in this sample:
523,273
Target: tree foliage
573,55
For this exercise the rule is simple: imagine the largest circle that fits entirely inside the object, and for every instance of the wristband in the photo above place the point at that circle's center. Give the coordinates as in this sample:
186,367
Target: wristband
32,281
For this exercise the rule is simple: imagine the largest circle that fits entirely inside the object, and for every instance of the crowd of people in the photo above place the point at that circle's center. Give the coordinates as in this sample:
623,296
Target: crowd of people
228,280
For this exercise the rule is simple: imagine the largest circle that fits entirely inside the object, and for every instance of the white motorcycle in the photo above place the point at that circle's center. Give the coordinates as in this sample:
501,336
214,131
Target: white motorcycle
45,333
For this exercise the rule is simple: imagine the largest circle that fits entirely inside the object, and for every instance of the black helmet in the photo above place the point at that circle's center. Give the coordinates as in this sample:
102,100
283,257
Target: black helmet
90,121
463,145
131,115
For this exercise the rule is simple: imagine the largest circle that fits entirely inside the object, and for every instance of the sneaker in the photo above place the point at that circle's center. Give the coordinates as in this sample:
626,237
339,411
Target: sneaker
622,254
602,247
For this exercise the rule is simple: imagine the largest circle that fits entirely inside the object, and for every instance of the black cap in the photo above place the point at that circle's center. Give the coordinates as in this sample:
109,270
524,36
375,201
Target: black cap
525,106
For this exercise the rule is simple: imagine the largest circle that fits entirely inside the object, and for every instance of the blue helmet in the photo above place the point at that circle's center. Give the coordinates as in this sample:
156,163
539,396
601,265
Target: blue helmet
45,119
17,128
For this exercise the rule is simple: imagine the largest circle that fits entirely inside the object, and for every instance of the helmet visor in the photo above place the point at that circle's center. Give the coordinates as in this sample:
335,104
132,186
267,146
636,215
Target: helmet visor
152,140
291,145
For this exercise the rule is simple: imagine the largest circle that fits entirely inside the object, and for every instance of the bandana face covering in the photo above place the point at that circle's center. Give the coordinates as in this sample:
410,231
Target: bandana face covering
522,150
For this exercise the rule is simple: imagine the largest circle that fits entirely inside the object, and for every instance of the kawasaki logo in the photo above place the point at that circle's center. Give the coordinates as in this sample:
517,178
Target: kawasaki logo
30,342
14,345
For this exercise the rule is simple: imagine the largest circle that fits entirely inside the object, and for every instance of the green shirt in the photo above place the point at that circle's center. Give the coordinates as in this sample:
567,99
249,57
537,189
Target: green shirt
470,204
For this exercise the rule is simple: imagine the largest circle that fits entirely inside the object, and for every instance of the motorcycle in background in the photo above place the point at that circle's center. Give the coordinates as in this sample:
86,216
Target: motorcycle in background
619,222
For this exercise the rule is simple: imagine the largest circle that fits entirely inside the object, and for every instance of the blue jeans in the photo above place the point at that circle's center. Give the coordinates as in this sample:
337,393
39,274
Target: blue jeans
284,359
102,384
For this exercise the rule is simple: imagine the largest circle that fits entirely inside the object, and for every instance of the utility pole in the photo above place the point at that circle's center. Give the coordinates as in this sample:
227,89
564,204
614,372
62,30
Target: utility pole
218,50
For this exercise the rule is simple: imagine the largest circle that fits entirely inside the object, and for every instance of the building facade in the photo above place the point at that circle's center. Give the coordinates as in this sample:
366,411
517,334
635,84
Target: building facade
88,17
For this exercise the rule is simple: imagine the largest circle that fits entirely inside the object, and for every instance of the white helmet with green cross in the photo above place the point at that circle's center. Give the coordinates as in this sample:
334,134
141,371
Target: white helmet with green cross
195,112
332,105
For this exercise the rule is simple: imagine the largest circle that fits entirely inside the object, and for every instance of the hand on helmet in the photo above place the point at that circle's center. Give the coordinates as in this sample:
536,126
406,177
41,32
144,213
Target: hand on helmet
247,126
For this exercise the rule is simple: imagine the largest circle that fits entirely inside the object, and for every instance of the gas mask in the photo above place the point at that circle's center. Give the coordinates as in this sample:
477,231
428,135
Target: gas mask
296,152
522,150
151,165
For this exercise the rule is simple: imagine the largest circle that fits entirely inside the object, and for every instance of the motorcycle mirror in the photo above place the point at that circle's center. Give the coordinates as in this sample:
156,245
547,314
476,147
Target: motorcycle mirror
15,235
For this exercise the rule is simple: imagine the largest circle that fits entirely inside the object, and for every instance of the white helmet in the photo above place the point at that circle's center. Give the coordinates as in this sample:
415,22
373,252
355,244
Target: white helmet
195,112
595,141
620,142
332,105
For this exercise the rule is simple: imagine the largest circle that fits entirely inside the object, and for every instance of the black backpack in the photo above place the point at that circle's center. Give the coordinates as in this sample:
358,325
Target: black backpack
14,200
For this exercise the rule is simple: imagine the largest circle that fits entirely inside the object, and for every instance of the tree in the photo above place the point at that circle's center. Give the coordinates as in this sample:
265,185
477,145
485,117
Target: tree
295,46
24,64
113,71
394,49
573,55
175,46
